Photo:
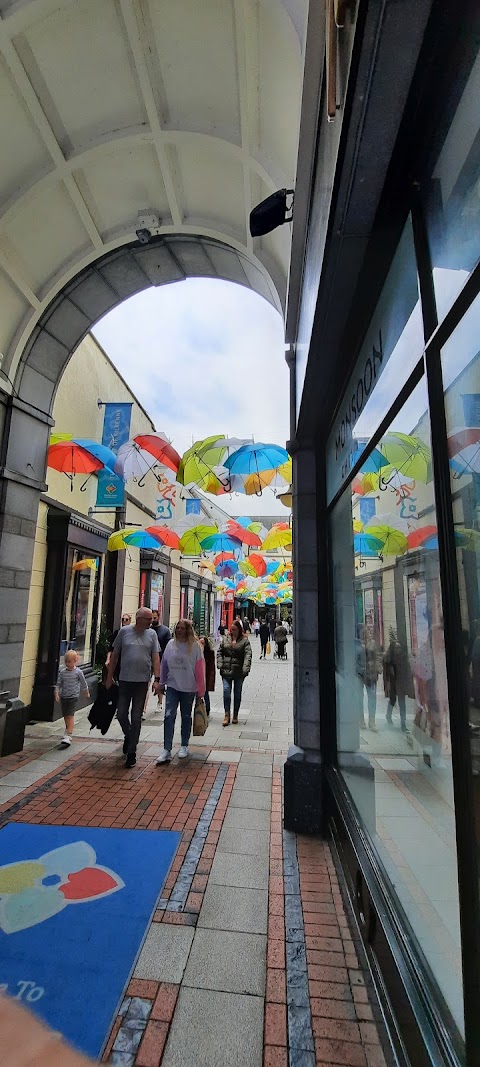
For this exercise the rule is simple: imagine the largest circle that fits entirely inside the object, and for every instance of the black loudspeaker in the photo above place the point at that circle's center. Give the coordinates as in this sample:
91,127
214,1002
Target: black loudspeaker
271,213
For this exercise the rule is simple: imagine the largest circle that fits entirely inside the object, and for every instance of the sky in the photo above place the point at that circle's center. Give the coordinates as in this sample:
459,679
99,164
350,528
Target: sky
205,356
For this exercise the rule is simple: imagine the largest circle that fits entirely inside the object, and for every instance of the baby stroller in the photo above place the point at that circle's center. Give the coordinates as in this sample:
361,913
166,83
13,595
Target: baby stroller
280,650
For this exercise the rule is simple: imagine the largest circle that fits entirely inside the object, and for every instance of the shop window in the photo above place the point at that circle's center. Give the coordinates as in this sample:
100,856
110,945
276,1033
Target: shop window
79,616
156,593
461,376
452,202
393,735
392,347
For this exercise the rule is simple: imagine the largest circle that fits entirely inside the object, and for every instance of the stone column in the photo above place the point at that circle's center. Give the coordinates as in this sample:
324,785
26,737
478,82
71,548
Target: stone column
303,771
26,432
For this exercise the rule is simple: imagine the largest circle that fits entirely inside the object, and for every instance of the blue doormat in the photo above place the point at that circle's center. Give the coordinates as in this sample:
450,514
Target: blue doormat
74,907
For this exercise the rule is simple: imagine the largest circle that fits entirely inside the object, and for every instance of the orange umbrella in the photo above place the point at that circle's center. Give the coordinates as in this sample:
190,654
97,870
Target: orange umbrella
245,536
164,536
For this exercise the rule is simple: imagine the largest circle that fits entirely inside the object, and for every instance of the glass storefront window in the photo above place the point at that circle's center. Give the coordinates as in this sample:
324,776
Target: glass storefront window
452,202
80,599
392,347
393,733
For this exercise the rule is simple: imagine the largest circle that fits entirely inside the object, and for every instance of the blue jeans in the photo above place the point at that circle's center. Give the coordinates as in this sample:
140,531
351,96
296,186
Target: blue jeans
172,700
227,694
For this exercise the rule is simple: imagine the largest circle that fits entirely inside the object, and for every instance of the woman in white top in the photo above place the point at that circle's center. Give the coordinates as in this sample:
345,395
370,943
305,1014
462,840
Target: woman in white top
182,672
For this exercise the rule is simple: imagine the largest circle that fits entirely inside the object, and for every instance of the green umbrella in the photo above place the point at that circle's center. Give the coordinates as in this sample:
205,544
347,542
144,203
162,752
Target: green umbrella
409,455
394,542
190,542
194,468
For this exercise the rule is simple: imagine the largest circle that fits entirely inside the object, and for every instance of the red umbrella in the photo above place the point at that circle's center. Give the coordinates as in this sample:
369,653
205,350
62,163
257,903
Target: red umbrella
460,439
245,536
417,537
258,563
164,536
222,556
161,449
70,458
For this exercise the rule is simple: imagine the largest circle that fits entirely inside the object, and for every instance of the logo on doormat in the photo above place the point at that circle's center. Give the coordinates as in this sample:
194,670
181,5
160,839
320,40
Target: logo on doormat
32,891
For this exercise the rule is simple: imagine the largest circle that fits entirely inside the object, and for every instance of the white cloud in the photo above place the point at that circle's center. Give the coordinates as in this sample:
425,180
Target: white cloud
204,356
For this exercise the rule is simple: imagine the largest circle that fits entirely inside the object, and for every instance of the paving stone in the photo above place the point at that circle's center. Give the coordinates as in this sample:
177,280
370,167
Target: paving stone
254,770
244,910
240,872
253,736
215,1029
228,961
219,755
242,799
247,819
244,842
255,759
165,952
254,783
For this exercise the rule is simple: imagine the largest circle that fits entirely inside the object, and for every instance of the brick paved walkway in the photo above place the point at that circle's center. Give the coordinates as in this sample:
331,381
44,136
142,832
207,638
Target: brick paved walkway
249,958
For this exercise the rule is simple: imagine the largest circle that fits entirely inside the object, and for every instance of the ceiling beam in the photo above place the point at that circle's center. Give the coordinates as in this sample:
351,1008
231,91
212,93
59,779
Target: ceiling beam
16,276
136,44
25,88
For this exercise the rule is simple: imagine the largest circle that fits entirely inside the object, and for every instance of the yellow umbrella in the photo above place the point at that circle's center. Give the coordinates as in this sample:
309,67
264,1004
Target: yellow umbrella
370,482
277,539
116,541
56,437
357,526
85,565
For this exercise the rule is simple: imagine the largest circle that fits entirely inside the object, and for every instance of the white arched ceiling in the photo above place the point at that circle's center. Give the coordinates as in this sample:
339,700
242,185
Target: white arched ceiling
189,108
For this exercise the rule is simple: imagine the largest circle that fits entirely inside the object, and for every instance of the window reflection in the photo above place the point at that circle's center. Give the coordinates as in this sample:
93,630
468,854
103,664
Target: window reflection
78,617
392,705
453,197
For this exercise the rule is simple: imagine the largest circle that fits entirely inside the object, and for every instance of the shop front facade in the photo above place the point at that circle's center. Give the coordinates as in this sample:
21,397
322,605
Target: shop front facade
386,448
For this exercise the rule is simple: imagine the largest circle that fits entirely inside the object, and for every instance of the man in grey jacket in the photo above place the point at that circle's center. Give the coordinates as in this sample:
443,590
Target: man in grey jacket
138,646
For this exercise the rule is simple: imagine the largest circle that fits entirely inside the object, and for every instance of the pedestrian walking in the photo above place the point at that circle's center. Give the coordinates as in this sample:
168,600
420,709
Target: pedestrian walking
163,637
138,647
264,632
256,627
246,626
70,682
398,681
280,637
209,657
183,674
271,626
234,659
221,629
368,667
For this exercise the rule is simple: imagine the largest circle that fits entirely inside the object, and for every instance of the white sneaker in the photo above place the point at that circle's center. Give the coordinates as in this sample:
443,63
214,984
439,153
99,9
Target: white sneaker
66,741
183,753
164,757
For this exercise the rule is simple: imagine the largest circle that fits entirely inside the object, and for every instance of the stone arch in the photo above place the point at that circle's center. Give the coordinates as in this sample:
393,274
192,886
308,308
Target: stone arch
25,414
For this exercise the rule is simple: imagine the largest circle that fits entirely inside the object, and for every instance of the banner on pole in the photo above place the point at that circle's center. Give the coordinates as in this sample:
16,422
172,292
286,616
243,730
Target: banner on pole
116,430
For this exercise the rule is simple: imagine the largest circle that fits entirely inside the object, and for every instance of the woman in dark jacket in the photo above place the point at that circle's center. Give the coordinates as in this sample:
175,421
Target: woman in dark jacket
264,638
234,659
397,680
209,657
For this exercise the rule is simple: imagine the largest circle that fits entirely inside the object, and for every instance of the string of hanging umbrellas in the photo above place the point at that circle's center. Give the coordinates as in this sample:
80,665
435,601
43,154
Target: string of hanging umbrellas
216,465
398,463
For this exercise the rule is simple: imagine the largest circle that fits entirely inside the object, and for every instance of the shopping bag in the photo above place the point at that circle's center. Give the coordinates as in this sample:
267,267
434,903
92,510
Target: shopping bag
200,718
268,648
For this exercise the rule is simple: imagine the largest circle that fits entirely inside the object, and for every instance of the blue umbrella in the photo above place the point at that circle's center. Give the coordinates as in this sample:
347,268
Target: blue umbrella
366,545
141,539
101,452
227,568
273,566
252,458
244,520
372,464
221,543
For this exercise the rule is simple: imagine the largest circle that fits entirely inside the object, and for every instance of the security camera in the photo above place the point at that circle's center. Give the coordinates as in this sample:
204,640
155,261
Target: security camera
148,225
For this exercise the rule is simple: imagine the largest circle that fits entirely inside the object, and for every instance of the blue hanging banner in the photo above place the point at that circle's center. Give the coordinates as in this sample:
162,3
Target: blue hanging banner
471,409
116,425
367,510
193,507
116,430
110,489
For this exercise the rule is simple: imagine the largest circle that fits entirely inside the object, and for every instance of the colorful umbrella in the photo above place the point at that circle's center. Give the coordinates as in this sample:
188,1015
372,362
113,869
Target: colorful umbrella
190,541
370,483
409,454
141,539
227,569
372,463
164,536
193,469
220,542
277,539
417,537
159,447
71,459
254,562
357,526
116,541
464,450
222,556
364,544
86,565
393,542
245,536
100,452
134,462
254,458
56,437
